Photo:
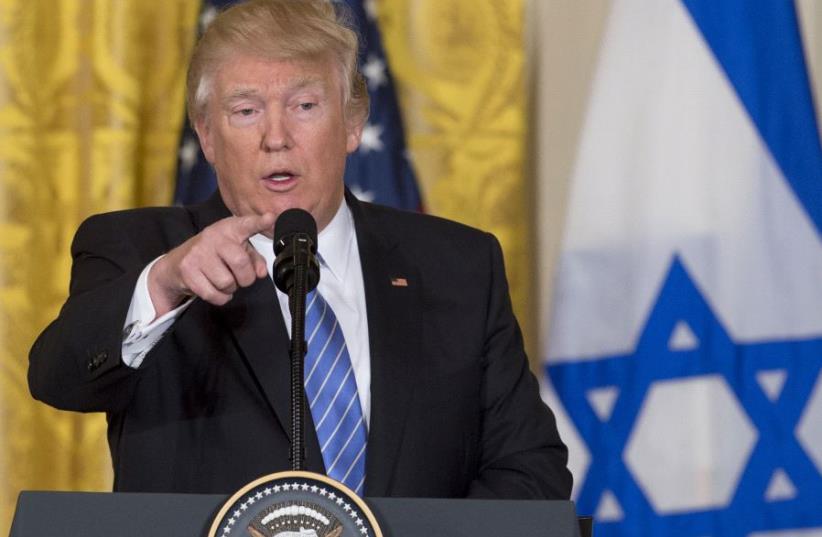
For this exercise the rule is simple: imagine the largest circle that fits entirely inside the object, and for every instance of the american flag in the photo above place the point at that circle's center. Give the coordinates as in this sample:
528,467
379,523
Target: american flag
379,171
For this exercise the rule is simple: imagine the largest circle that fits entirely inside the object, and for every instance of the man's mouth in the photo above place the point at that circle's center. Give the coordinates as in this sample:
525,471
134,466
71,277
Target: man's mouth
280,180
280,176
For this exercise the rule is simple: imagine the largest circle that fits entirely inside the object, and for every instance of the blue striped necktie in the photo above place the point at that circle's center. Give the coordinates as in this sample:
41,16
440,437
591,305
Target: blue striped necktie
331,390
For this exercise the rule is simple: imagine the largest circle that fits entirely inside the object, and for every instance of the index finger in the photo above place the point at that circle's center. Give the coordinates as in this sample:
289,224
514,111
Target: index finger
245,226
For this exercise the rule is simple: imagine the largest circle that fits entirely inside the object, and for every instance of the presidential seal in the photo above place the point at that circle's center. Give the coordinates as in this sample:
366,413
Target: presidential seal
295,504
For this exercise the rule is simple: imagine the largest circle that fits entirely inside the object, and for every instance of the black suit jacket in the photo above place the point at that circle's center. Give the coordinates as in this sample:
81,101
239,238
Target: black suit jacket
455,409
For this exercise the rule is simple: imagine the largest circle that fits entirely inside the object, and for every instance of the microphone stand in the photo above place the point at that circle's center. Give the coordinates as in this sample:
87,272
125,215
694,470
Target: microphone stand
296,303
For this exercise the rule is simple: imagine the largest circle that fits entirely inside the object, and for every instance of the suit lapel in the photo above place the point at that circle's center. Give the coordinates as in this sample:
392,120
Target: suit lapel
394,313
256,323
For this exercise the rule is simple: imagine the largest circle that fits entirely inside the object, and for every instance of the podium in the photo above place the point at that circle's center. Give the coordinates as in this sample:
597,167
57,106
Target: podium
90,514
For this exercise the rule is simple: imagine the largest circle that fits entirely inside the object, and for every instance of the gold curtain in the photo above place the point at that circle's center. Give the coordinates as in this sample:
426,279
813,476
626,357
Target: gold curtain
459,67
91,95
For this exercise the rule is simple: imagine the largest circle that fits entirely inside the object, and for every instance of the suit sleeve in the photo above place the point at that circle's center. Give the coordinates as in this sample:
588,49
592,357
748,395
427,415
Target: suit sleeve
76,364
522,454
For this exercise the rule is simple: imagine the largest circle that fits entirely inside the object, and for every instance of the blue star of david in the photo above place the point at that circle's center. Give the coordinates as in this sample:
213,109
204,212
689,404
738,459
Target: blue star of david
652,361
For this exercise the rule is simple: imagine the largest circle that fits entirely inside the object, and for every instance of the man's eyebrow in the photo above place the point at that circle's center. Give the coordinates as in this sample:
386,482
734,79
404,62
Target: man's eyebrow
241,93
306,81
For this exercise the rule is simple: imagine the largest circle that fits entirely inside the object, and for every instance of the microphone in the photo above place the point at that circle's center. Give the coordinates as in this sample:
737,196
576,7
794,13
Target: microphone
295,248
296,272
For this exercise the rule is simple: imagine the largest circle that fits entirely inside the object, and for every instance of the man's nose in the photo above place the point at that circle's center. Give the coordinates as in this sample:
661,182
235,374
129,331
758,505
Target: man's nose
276,135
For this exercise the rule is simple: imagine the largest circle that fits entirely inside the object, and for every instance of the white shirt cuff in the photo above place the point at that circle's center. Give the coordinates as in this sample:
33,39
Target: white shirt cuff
142,331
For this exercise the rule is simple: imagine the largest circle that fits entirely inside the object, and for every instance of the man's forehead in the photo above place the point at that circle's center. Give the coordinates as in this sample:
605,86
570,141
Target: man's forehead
240,89
246,75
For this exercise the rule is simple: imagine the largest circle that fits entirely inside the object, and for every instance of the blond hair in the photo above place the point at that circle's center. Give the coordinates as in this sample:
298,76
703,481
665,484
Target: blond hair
281,30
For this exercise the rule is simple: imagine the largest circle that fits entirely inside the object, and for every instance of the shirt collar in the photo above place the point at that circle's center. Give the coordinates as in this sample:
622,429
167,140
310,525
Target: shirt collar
335,242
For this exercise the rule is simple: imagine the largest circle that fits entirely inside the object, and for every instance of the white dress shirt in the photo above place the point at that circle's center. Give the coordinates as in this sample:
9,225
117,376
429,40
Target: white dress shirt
341,284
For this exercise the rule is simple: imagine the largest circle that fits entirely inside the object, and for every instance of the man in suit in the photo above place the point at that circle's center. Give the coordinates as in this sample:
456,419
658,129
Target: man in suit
173,326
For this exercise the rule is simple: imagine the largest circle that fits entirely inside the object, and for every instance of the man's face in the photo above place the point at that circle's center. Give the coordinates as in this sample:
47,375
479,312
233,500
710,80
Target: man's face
276,133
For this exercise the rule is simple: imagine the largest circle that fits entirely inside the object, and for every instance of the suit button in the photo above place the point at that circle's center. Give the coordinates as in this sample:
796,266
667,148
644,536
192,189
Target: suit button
97,360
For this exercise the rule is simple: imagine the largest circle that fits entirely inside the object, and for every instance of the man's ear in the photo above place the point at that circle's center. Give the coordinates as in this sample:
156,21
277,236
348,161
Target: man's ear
353,135
203,131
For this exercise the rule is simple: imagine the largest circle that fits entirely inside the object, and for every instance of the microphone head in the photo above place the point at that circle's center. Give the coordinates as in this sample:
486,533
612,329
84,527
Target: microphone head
293,221
295,248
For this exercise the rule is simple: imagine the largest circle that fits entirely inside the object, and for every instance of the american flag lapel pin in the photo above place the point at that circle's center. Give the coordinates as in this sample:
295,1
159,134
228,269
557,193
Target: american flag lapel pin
399,282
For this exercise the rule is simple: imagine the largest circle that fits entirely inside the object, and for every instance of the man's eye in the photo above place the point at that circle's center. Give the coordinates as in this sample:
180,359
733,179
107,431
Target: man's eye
246,111
307,106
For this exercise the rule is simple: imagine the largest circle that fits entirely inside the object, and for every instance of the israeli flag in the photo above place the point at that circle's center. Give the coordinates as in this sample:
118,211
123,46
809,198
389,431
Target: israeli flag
686,340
